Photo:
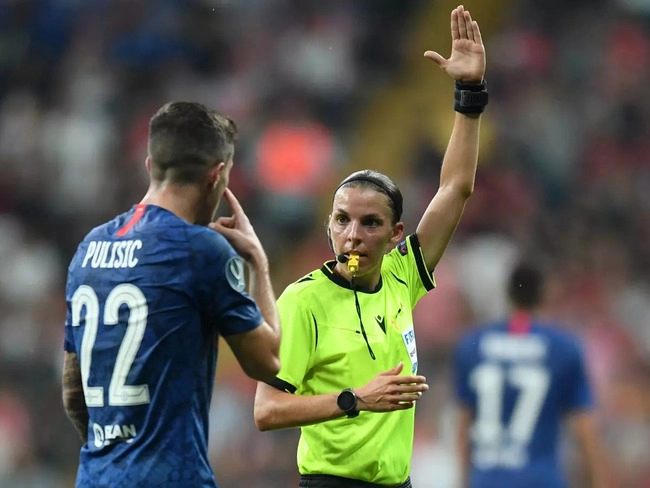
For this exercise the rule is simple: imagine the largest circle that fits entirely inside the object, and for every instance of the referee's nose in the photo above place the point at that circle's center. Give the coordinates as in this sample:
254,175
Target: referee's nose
354,233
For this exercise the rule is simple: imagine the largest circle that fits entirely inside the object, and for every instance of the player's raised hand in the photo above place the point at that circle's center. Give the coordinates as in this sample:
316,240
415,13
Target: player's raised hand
388,391
467,60
237,229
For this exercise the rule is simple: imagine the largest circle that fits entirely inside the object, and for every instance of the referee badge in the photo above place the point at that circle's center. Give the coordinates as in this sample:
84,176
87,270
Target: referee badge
409,342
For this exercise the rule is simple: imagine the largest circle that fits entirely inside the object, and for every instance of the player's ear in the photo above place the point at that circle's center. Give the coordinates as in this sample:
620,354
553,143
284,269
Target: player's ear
147,164
215,175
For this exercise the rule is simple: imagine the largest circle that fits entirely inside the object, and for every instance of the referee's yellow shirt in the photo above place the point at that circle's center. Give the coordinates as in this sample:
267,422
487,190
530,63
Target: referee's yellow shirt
323,351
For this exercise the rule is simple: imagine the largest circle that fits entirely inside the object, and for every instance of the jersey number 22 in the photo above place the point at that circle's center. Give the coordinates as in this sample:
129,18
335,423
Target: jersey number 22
119,393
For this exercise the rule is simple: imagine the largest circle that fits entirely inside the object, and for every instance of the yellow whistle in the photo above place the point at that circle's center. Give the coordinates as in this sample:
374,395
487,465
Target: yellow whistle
353,264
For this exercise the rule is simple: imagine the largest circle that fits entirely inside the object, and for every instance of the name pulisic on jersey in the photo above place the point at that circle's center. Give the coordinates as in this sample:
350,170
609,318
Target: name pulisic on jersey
111,255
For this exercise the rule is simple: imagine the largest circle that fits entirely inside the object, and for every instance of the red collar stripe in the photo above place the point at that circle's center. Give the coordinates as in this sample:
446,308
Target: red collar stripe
520,323
137,215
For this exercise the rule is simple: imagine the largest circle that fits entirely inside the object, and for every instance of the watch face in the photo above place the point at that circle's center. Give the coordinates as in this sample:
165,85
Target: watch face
346,400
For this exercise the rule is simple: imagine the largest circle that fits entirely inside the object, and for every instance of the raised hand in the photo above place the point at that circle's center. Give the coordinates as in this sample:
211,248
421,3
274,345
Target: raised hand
388,391
467,60
238,231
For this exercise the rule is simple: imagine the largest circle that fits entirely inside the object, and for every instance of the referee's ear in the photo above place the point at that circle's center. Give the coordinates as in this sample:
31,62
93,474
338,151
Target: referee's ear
398,234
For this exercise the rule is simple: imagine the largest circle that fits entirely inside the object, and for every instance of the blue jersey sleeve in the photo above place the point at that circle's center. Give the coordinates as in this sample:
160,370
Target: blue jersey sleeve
71,286
222,295
461,368
578,394
68,339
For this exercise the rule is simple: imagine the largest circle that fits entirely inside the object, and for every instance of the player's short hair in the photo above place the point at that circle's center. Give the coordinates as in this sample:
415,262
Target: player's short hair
186,140
526,285
368,178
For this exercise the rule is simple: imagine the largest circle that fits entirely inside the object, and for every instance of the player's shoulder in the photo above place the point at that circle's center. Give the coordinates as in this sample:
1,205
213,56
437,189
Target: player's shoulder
104,230
470,342
467,351
557,335
484,329
200,240
100,232
204,239
107,230
212,256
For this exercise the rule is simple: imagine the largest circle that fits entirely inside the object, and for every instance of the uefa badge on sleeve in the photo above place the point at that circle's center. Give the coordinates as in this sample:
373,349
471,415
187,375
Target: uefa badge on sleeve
235,273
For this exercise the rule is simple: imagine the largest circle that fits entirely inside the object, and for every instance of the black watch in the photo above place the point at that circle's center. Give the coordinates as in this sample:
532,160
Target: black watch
347,401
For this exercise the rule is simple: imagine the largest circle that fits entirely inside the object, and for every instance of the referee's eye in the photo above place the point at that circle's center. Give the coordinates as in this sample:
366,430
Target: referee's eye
372,222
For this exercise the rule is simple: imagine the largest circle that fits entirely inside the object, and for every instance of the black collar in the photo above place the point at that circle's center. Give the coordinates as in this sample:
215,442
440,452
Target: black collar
328,270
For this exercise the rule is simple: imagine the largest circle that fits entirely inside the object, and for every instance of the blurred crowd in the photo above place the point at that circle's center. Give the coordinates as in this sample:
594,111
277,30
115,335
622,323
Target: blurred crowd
564,175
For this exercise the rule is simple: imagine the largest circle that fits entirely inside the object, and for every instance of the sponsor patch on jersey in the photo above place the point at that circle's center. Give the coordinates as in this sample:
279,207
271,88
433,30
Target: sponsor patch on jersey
235,273
403,248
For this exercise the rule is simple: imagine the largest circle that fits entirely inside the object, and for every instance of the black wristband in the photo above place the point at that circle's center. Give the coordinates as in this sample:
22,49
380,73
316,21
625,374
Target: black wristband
470,98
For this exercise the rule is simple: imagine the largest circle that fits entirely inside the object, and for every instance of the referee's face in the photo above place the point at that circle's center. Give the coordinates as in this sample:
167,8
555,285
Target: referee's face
361,223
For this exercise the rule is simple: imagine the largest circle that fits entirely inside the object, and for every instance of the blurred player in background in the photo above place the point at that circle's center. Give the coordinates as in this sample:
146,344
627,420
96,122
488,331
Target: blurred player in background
349,360
517,381
148,294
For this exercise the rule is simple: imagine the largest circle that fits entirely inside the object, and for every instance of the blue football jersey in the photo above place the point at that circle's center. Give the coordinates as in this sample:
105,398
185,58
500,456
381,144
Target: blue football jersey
148,294
519,386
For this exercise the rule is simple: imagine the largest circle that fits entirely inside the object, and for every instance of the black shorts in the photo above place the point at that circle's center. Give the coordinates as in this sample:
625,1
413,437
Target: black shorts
329,481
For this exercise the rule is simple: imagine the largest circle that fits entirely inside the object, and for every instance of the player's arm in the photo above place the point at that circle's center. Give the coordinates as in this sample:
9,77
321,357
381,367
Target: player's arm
74,402
582,421
462,364
256,350
584,426
463,443
276,408
466,64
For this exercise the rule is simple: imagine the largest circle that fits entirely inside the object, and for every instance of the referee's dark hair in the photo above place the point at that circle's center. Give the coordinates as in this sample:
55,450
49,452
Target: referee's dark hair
379,182
526,285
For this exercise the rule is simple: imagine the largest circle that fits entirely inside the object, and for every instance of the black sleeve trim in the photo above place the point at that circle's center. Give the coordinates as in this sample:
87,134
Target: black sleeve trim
425,276
315,331
282,385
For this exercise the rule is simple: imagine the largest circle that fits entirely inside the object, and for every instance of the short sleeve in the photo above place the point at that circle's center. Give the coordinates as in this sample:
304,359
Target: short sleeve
70,288
461,367
407,263
577,394
221,286
299,335
68,338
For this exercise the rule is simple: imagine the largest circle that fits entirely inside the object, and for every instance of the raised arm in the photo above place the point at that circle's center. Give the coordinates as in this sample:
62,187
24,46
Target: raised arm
74,401
465,65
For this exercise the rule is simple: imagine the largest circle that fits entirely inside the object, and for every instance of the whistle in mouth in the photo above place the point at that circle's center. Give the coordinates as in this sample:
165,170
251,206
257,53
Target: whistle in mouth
353,264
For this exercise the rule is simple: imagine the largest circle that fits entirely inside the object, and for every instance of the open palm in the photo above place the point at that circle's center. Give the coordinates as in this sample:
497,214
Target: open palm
467,60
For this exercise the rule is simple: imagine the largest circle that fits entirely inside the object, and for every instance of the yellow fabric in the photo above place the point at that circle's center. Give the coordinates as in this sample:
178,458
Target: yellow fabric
323,351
